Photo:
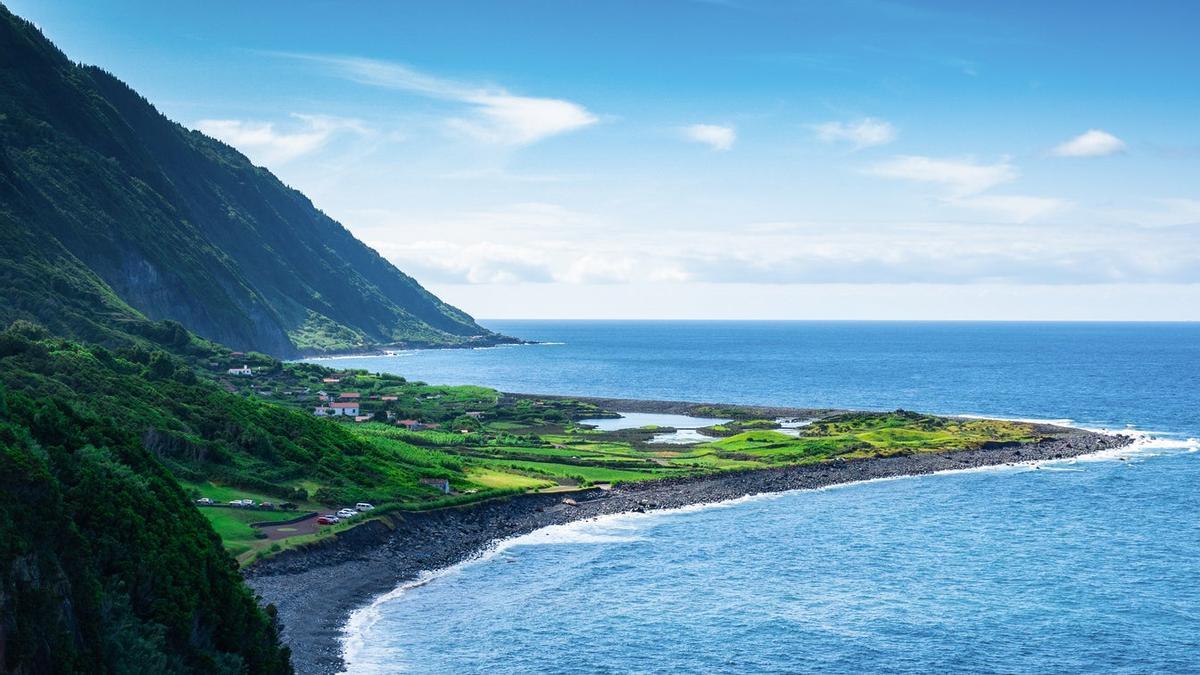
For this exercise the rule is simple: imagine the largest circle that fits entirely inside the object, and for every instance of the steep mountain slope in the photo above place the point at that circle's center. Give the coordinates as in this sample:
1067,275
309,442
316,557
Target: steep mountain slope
101,195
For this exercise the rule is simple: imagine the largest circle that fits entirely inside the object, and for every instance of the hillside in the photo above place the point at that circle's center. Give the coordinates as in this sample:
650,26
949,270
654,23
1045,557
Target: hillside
111,211
104,564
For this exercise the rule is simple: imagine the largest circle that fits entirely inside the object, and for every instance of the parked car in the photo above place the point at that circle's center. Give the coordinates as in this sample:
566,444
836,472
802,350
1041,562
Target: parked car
204,501
236,503
267,506
347,513
327,520
363,506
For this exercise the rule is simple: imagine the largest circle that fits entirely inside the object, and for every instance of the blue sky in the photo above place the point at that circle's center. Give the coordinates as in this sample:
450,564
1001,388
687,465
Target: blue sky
729,159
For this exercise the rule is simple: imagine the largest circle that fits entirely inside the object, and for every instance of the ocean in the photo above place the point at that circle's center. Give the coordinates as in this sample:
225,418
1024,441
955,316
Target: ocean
1088,565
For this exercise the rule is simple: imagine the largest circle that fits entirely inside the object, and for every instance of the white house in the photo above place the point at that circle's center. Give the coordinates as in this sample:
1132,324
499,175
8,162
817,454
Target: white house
335,409
347,408
244,370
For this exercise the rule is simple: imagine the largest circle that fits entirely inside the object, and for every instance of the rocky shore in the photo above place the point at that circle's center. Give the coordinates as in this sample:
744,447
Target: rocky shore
314,589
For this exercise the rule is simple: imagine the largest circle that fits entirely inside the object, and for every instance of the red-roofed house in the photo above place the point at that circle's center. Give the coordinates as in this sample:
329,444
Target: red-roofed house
347,408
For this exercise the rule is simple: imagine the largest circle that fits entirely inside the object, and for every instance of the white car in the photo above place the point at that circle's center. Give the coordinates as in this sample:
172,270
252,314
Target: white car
204,501
363,506
347,513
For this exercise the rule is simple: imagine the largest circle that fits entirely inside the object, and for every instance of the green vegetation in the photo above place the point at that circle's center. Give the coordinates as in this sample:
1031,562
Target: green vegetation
104,565
111,213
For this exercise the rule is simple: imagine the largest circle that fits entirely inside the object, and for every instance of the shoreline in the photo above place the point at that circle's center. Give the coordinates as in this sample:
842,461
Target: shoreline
316,588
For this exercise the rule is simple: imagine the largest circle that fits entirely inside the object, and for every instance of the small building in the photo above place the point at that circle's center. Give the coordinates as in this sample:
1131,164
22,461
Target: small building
323,411
441,484
244,370
346,408
411,425
362,418
389,398
349,395
475,414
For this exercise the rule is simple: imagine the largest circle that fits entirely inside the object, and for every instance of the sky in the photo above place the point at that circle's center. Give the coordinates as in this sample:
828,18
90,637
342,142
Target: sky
742,159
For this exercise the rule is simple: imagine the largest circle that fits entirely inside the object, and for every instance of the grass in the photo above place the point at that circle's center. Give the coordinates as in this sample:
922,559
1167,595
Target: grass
233,526
223,494
494,478
582,474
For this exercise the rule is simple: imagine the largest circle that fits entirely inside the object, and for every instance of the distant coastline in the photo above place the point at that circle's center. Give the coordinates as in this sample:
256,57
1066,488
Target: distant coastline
484,342
315,589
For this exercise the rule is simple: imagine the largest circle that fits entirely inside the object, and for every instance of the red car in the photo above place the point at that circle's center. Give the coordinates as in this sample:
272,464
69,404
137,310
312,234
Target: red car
327,520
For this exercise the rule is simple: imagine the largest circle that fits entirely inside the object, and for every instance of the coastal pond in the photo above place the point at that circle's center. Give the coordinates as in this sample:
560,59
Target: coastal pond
685,426
636,420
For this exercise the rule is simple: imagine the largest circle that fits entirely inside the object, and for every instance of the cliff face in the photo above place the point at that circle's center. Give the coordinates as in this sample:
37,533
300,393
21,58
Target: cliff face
98,187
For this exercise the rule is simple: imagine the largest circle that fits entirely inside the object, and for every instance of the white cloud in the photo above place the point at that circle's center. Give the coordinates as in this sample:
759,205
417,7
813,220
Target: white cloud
1091,143
1014,208
862,133
498,116
961,177
818,253
716,136
264,144
1173,212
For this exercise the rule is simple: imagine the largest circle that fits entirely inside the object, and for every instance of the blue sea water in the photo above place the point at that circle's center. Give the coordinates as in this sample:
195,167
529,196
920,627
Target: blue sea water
1085,566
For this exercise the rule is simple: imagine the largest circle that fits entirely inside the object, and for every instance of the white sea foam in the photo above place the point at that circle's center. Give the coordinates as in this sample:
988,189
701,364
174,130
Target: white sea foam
610,529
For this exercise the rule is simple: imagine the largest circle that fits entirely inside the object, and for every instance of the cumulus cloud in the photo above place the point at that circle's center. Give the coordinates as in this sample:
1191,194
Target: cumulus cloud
1091,143
961,177
263,143
862,133
496,115
716,136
